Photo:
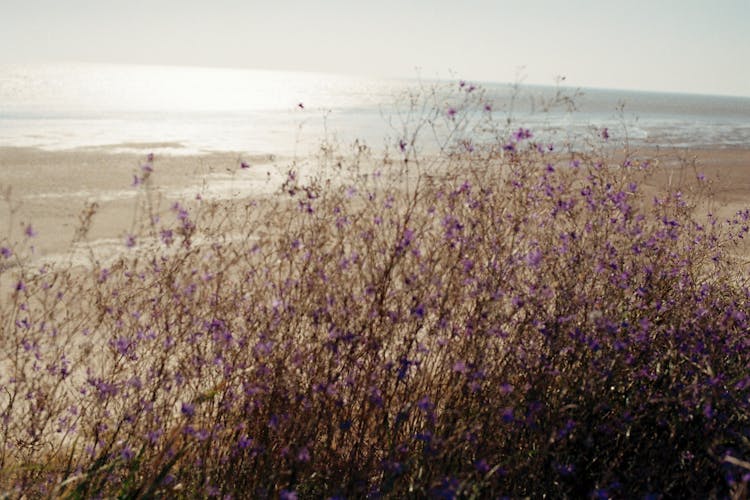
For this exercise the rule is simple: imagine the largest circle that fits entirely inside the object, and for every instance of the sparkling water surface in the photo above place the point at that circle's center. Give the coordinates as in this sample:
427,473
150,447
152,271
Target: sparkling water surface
186,110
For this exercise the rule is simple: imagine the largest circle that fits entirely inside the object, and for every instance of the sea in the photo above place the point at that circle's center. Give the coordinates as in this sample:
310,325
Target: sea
190,110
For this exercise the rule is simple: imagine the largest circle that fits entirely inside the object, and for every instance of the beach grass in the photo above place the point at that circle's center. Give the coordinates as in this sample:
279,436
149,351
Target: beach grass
507,317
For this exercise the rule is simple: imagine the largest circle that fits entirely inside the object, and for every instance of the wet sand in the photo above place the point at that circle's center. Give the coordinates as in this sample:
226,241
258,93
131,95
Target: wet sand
50,189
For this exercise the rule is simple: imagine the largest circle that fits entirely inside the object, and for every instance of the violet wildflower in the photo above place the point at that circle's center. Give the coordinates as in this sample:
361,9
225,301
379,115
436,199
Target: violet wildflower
451,112
565,469
507,415
29,231
418,311
521,134
130,241
708,411
534,258
187,409
122,344
244,165
288,495
376,397
406,240
605,133
153,436
481,466
127,454
167,237
303,455
244,442
6,252
425,404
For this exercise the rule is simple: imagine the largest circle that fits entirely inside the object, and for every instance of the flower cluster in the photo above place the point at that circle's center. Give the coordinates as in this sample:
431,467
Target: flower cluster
500,320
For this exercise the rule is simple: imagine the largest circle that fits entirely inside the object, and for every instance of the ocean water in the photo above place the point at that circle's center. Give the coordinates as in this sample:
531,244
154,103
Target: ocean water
185,110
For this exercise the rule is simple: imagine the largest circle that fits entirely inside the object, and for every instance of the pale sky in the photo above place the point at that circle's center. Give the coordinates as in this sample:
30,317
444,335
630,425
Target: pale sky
700,46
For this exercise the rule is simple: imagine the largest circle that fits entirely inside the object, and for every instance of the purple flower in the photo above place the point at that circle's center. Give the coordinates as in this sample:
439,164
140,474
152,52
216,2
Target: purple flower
418,311
6,252
153,436
488,108
534,258
288,495
481,466
451,112
166,236
244,442
123,345
521,134
376,397
187,409
507,415
565,469
29,231
130,241
425,404
127,454
244,165
605,133
406,240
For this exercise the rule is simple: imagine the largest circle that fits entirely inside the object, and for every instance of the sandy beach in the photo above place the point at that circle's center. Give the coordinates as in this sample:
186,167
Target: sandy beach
50,189
726,172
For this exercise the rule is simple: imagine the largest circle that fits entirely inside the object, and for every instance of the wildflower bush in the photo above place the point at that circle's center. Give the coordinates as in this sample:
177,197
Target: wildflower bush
504,317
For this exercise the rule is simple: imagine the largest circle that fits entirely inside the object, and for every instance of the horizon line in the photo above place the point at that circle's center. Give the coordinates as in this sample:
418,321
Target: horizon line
561,83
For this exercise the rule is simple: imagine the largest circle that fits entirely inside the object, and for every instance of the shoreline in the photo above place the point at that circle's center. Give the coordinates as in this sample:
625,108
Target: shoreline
50,189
